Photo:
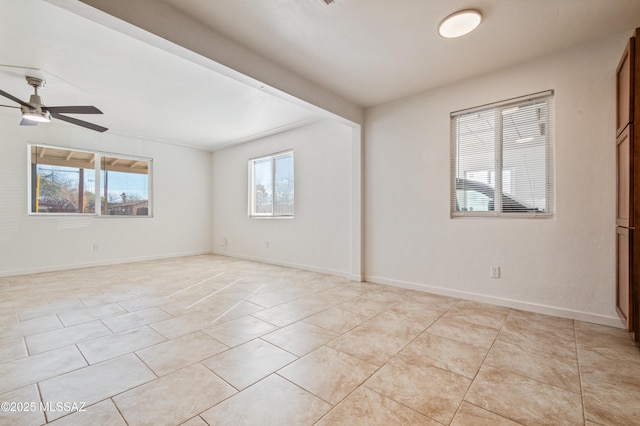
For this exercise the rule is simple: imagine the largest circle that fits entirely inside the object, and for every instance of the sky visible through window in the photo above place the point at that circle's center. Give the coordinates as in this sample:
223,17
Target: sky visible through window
134,184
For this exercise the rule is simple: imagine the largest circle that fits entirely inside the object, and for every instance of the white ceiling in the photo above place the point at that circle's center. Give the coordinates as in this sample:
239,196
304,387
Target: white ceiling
143,91
366,51
373,51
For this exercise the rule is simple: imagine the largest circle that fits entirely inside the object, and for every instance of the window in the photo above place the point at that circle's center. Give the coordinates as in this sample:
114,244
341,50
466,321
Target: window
124,186
62,181
271,185
66,181
504,148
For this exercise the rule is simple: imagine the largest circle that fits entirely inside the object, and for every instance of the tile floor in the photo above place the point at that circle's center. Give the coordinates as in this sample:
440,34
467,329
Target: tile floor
220,341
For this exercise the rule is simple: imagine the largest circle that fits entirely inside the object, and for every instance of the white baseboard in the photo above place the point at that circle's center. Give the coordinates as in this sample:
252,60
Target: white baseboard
311,268
36,270
356,277
611,321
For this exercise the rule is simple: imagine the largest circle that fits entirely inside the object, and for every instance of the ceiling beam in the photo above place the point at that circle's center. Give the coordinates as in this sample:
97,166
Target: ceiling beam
173,31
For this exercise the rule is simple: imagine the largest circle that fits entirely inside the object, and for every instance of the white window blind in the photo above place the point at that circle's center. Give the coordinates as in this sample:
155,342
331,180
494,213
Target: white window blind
502,158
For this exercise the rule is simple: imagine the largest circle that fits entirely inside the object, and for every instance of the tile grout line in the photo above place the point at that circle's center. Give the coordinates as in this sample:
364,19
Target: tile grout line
224,380
333,406
46,419
426,330
149,367
484,360
528,378
118,410
266,275
582,400
362,384
82,355
244,299
300,357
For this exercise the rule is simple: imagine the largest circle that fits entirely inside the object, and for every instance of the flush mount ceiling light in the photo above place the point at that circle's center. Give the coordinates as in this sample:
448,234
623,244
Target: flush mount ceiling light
460,23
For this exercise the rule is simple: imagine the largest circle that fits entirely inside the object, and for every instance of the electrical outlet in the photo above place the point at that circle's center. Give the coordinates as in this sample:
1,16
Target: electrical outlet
495,272
266,244
96,247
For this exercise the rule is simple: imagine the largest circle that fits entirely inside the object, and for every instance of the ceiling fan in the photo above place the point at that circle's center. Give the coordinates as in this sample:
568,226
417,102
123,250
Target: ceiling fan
33,112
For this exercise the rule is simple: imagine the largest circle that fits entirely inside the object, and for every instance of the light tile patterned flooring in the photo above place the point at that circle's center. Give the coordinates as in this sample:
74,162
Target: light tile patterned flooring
220,341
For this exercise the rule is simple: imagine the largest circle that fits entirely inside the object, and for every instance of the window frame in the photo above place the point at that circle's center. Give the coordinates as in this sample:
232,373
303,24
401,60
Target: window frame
251,211
97,189
548,97
99,169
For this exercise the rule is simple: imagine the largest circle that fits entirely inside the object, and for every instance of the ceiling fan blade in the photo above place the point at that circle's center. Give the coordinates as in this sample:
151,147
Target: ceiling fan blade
14,99
25,122
83,109
78,122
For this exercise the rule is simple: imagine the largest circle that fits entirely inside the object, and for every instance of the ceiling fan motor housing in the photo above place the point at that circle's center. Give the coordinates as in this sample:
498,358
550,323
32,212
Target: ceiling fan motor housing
36,101
35,113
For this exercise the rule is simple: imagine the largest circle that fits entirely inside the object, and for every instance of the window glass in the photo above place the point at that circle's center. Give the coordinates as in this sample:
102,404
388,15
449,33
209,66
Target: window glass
62,181
272,185
283,182
124,186
263,187
67,181
502,158
525,151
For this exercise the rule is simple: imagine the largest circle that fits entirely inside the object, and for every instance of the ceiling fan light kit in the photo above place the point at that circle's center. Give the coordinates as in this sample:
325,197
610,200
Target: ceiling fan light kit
460,23
34,112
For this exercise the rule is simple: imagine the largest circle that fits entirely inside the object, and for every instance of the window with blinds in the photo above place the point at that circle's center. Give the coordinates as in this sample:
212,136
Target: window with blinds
502,158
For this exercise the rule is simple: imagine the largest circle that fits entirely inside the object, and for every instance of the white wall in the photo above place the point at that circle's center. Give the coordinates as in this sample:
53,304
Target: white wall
564,265
319,236
181,198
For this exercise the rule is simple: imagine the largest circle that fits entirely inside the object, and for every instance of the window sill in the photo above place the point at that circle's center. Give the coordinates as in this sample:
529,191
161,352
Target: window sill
272,217
87,215
458,215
